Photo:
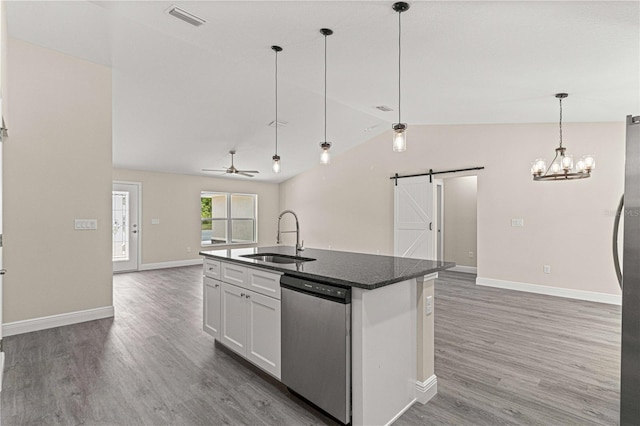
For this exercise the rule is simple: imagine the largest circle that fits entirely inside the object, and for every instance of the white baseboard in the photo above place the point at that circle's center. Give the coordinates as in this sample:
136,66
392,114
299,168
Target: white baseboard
172,264
427,389
43,323
465,269
611,299
400,413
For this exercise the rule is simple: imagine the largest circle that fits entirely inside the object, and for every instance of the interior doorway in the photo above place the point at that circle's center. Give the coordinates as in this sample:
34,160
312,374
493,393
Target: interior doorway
125,226
457,208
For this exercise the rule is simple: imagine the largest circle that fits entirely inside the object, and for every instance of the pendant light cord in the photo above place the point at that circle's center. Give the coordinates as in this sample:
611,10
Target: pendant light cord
325,87
276,123
399,67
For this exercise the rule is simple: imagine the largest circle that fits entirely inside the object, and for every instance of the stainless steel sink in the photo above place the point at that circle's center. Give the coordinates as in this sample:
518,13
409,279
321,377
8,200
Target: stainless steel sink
277,258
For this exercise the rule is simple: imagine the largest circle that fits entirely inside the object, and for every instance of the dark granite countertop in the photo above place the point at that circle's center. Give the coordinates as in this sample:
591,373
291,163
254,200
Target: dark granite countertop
345,269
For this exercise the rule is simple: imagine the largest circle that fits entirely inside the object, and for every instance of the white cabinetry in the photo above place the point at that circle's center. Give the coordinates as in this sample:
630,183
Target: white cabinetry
242,311
211,307
251,326
263,332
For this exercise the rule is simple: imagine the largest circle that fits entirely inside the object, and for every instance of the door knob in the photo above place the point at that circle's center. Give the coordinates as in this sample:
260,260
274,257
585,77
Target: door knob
135,231
3,271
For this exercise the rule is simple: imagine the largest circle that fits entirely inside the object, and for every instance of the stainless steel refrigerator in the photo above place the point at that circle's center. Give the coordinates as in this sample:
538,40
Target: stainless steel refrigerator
630,368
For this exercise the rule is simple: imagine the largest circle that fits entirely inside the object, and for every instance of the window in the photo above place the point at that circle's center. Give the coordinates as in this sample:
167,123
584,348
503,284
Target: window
228,218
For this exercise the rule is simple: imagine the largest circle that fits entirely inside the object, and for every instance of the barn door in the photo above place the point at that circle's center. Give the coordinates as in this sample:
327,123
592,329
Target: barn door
413,218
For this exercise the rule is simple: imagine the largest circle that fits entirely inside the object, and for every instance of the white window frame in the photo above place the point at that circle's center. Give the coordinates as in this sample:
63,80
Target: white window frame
230,219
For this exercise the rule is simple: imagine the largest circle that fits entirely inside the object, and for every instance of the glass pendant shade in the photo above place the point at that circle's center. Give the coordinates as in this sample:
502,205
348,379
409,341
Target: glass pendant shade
276,164
399,137
567,163
325,156
589,163
538,167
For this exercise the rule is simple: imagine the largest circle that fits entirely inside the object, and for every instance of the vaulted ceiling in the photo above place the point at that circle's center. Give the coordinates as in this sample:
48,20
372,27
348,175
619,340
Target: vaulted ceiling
183,96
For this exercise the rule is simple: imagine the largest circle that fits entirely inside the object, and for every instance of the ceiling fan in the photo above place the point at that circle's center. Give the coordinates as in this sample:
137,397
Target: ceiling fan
232,169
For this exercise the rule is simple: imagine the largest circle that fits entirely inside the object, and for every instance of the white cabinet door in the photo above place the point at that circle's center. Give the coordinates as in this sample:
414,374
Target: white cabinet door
211,316
263,332
234,318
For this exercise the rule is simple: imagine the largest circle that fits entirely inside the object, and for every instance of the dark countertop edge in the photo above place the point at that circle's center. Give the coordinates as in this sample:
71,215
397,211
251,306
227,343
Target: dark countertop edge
328,280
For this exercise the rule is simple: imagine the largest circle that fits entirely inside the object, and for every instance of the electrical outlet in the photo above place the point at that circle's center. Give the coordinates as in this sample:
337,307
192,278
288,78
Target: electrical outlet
188,249
428,306
470,255
546,269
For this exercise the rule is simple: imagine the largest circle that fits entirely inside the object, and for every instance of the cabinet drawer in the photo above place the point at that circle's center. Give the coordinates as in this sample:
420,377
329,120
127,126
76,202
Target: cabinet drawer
267,283
211,268
234,274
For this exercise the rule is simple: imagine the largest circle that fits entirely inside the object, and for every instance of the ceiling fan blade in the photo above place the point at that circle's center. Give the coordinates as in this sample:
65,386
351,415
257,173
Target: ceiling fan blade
214,170
244,174
248,171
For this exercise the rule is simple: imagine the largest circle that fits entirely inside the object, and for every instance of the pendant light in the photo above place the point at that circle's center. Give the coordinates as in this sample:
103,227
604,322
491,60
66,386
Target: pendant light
400,128
562,166
276,157
325,157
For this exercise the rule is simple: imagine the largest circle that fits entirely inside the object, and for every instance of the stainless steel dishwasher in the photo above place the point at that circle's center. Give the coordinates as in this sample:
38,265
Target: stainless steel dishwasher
316,344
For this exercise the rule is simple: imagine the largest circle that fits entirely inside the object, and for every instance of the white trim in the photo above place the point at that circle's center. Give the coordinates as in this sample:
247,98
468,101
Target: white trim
172,264
401,412
611,299
427,389
43,323
465,269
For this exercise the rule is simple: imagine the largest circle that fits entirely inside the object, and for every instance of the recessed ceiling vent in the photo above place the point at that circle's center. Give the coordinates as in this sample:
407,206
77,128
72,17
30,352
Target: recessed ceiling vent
384,108
185,16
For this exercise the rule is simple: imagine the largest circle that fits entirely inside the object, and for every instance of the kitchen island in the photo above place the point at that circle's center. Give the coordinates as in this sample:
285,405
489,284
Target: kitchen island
391,341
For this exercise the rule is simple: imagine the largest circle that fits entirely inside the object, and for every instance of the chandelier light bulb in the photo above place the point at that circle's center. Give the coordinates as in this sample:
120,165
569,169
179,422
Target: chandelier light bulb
589,163
567,162
539,167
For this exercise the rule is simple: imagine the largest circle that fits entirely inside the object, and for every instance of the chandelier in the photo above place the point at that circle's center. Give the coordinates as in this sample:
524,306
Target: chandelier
562,166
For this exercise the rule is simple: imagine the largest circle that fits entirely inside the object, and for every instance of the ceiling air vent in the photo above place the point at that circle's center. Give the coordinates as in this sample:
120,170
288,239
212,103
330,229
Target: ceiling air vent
384,108
185,16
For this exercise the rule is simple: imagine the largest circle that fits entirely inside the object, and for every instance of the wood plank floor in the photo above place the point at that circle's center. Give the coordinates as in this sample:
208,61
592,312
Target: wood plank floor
502,357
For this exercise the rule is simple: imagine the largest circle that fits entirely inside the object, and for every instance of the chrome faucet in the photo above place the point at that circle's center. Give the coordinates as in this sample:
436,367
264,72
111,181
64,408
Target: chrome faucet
299,247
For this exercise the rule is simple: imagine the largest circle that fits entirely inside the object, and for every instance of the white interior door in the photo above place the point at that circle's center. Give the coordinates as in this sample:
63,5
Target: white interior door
413,218
125,226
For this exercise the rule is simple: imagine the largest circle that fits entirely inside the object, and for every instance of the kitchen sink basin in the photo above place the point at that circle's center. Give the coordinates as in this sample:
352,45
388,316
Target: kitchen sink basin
277,258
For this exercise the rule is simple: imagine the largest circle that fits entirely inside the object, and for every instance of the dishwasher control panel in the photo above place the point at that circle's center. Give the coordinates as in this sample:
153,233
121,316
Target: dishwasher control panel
338,293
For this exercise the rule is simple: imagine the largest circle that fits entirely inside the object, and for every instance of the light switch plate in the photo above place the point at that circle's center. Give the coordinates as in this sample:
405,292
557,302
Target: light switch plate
86,224
155,221
517,222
